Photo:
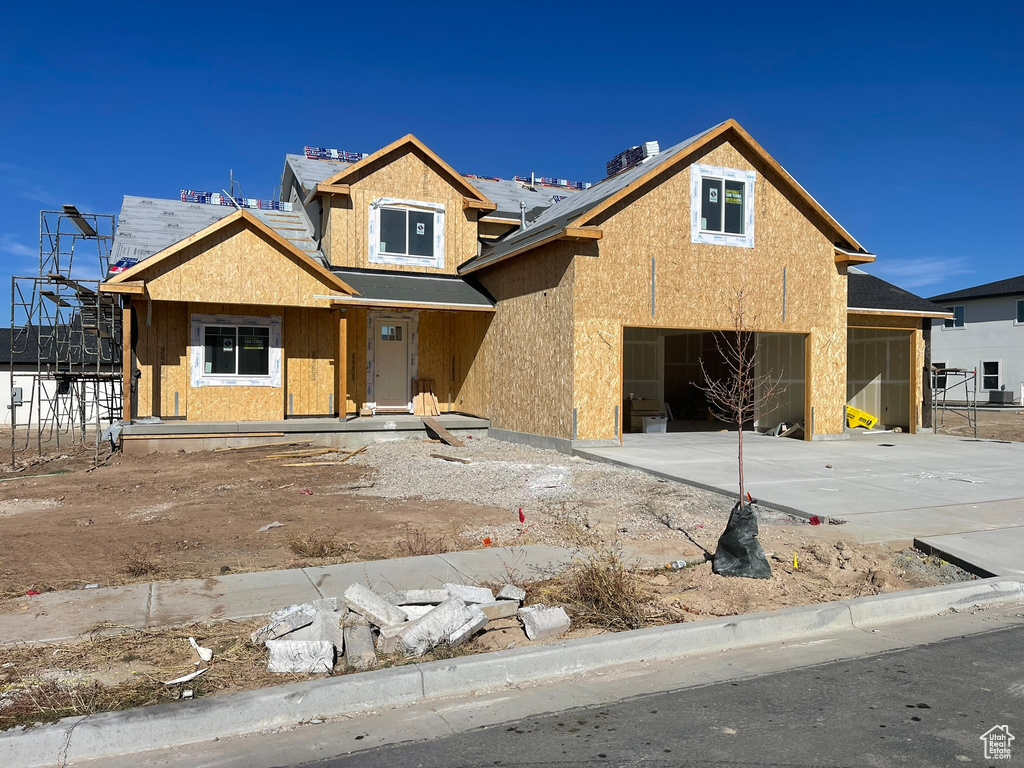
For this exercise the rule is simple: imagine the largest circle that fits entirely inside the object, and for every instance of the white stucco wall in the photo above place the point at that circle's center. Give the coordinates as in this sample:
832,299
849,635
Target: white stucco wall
27,415
990,333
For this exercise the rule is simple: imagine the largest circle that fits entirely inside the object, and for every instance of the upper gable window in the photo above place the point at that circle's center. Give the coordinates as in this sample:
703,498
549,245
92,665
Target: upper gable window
407,232
721,206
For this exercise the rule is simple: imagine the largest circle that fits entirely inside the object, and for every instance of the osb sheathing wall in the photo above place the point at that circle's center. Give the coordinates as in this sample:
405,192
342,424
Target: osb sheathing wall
235,264
310,341
310,346
696,285
410,176
449,355
913,326
161,349
529,345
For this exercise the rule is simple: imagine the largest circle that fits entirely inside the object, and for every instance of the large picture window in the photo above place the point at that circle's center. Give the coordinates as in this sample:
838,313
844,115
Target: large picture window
235,350
407,232
721,206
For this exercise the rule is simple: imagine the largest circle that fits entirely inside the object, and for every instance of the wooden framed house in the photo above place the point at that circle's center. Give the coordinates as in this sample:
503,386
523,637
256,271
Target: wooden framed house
395,285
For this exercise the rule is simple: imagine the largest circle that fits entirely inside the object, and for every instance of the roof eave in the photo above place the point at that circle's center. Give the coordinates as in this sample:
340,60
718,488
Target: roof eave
901,312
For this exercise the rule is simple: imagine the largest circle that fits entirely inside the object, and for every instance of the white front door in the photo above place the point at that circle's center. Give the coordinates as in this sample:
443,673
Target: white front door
391,364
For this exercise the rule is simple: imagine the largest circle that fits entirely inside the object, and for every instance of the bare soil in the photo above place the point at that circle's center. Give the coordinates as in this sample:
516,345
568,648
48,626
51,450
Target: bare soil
1002,424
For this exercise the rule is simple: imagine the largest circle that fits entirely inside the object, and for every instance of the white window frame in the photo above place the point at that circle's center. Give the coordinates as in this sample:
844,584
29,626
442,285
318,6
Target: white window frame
1017,307
378,257
999,374
708,237
197,351
963,321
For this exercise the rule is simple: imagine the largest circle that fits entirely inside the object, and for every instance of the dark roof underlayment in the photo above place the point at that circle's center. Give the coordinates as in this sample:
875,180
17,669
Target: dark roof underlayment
384,287
864,291
1008,287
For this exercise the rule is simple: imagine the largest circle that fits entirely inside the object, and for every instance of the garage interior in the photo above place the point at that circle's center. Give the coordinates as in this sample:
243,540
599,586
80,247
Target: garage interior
661,371
878,374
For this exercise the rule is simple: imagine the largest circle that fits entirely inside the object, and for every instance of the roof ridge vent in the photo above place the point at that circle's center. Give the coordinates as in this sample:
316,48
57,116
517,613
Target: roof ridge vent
629,158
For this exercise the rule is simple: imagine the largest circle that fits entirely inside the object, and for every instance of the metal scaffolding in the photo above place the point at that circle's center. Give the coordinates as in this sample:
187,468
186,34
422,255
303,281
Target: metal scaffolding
65,362
947,386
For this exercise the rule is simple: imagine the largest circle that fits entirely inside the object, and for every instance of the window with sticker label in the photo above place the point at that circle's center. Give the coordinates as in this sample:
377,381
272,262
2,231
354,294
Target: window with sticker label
407,232
722,201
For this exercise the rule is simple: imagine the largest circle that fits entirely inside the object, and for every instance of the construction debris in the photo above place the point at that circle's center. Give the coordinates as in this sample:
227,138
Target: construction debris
470,594
434,426
268,526
301,656
308,638
512,592
542,623
453,459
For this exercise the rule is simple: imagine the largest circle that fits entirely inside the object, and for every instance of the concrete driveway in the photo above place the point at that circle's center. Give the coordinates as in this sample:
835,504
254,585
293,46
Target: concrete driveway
959,496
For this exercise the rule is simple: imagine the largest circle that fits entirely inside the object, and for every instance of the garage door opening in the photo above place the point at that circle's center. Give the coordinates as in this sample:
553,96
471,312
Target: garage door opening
662,375
878,375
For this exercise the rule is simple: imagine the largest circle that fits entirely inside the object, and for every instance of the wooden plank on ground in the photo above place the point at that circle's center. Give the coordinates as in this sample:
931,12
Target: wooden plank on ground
449,458
441,432
260,445
326,463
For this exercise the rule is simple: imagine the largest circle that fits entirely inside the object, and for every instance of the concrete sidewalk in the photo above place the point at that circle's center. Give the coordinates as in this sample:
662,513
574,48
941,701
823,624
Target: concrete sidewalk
55,616
946,492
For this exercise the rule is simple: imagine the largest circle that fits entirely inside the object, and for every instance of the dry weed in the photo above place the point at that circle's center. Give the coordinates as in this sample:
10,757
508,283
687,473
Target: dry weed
320,543
137,563
415,542
599,589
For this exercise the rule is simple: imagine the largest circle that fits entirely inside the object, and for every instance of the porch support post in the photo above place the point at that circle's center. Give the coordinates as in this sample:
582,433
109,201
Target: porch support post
340,367
126,359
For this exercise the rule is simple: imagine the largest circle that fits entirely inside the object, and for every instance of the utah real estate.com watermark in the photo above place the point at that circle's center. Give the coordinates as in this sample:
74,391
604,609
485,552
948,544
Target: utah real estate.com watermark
997,742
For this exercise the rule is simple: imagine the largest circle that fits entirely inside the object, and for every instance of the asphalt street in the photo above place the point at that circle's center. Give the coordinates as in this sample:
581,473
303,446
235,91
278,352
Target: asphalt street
927,706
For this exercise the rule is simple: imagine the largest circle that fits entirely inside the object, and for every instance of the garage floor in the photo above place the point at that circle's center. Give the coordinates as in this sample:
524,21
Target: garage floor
889,487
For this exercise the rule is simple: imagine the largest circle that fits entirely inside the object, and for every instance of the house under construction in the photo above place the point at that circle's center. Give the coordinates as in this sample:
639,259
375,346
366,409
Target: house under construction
540,309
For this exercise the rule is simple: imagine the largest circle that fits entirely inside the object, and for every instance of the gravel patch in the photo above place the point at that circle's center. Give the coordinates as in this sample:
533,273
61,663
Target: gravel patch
919,565
548,486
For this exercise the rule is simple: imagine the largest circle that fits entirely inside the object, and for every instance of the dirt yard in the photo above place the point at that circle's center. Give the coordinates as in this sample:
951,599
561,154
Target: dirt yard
1003,424
167,516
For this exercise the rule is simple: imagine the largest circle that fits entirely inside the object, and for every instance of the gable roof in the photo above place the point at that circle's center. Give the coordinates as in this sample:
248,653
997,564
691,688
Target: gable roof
147,225
250,220
309,171
1007,287
408,142
867,292
579,209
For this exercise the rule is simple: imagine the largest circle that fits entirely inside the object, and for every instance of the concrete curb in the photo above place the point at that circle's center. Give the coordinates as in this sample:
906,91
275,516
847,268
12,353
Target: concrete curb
175,724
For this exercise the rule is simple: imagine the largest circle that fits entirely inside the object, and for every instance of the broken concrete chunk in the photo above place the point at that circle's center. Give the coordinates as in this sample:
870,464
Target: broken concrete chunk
359,652
477,622
417,596
326,625
470,594
501,609
300,656
512,592
544,623
373,607
414,612
284,621
434,628
326,604
387,640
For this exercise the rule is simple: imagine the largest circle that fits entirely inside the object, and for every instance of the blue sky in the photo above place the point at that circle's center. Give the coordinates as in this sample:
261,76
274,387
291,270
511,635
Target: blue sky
903,119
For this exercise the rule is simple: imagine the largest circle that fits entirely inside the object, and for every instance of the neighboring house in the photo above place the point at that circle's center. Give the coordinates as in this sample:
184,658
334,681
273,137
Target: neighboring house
986,334
58,375
394,270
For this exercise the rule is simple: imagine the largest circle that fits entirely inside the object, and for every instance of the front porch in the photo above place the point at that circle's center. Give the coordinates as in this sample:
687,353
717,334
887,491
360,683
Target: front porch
148,435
